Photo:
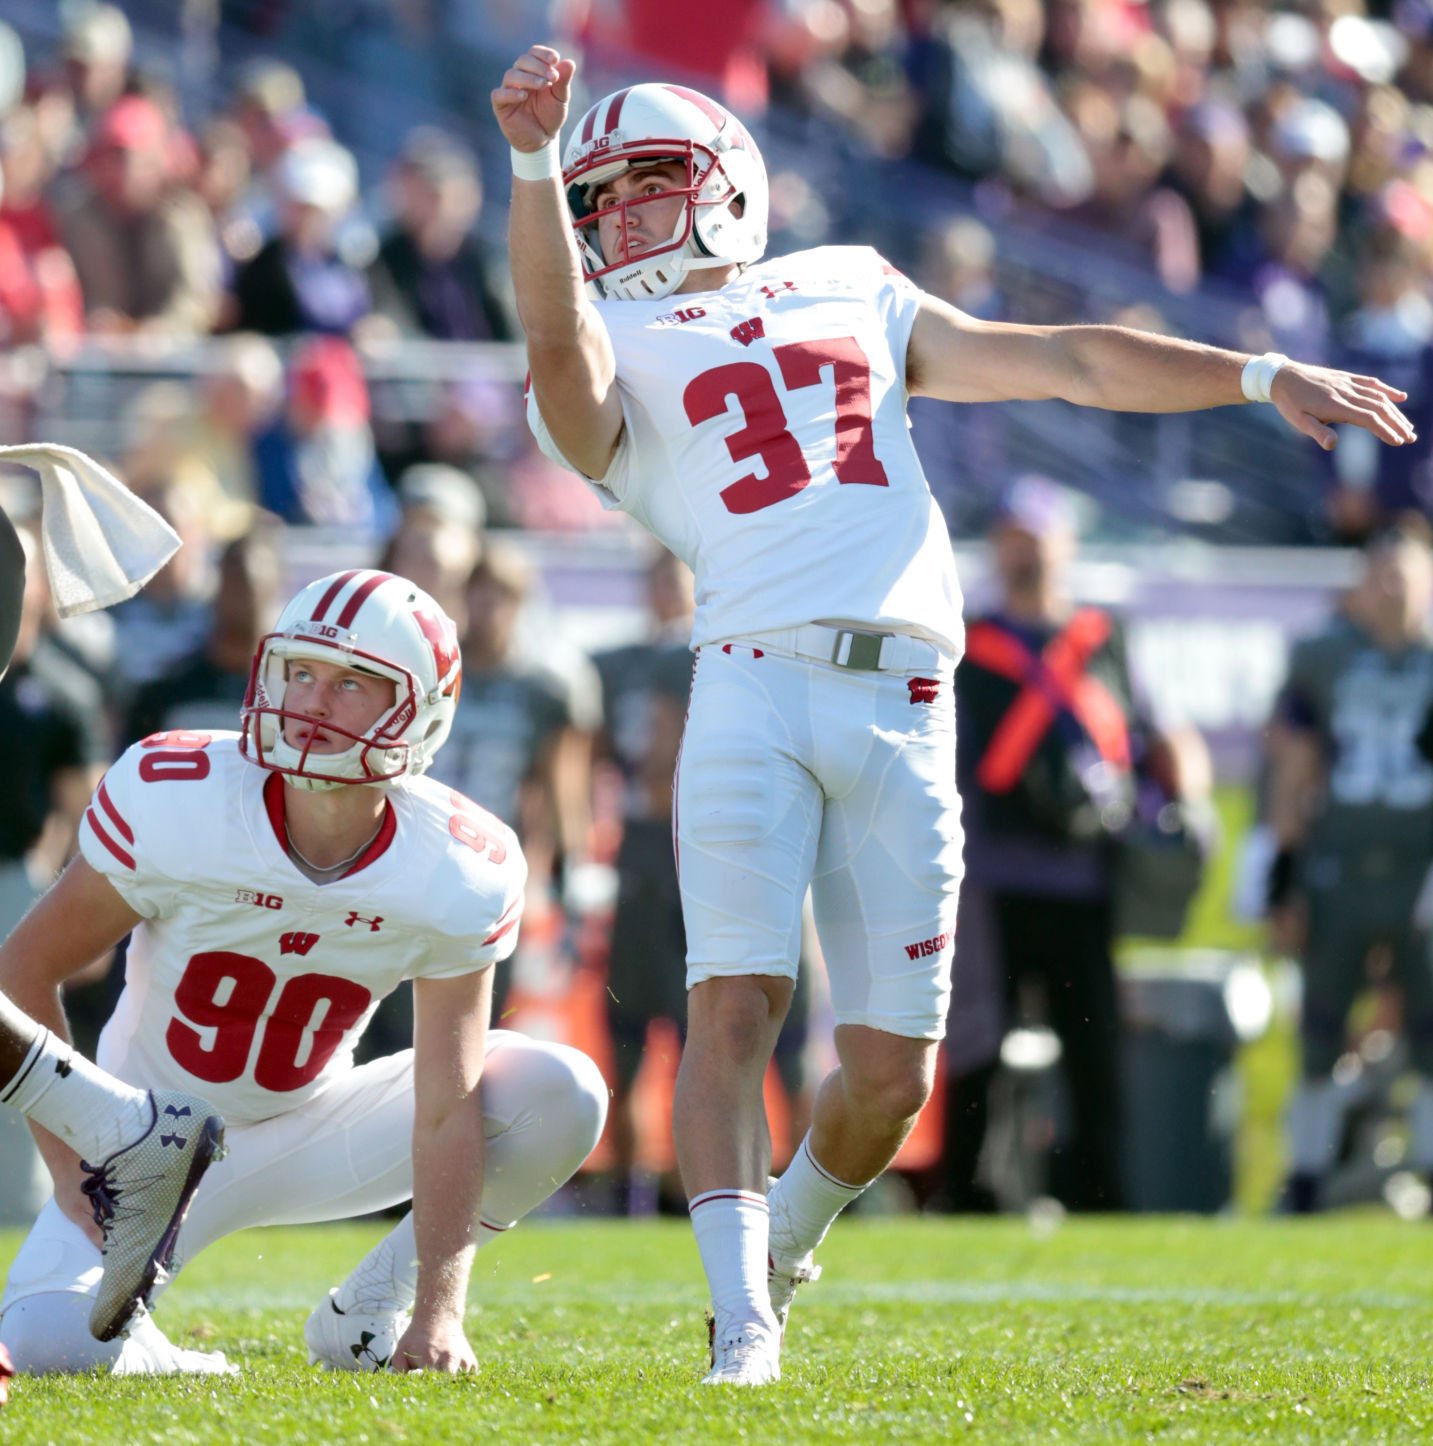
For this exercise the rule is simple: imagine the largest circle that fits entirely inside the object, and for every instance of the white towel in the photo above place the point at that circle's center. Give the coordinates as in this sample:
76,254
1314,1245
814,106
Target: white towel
102,544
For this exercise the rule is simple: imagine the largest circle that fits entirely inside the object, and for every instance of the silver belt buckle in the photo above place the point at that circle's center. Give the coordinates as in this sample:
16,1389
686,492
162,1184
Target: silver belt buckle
862,653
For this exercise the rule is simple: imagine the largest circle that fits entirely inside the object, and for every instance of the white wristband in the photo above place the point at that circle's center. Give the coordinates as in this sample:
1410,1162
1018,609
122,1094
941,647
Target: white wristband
537,165
1259,373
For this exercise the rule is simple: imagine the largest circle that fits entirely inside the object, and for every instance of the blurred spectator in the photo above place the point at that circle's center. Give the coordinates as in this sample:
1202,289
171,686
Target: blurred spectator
144,248
433,276
1207,167
1390,335
962,448
1351,809
222,180
39,293
51,715
522,737
1052,747
1129,143
985,107
202,692
167,620
95,49
844,62
316,462
644,703
439,537
474,425
299,281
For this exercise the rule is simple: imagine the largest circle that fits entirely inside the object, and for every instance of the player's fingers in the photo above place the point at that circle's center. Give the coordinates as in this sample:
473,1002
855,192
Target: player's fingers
562,86
1310,426
1382,387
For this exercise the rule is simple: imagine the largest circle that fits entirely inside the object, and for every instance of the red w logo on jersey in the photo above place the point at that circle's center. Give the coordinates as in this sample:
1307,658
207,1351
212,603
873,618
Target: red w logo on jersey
296,943
749,331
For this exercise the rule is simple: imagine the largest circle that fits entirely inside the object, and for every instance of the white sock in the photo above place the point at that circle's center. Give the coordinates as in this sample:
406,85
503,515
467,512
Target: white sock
89,1110
387,1277
731,1230
1315,1117
804,1202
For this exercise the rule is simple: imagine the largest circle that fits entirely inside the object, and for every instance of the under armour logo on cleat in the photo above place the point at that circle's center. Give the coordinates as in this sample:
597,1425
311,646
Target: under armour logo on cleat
362,1352
177,1110
178,1141
63,1067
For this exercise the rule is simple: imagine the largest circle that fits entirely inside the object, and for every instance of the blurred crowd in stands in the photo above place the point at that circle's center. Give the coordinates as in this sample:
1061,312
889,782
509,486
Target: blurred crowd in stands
1256,175
246,255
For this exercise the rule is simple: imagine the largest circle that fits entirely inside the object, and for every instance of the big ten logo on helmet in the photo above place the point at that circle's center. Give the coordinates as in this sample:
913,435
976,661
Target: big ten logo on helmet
678,318
316,630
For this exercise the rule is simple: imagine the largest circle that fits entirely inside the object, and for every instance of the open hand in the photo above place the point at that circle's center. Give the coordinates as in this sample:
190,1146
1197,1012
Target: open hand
1310,397
531,103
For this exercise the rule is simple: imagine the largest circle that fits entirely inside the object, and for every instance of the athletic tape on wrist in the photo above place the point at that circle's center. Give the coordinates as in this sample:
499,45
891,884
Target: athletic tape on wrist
536,165
1259,373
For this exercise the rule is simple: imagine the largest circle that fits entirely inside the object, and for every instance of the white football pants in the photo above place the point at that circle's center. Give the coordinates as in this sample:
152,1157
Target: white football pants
794,773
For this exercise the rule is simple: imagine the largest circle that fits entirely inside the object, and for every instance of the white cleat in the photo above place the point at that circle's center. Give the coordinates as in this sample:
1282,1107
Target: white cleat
140,1195
782,1279
147,1351
354,1340
742,1356
783,1271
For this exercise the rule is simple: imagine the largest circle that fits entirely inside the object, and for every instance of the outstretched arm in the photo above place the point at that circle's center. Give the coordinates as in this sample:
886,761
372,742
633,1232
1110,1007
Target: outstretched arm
960,359
568,349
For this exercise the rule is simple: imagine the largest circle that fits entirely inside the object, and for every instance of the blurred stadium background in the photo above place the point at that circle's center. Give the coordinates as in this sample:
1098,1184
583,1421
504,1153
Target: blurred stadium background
1254,175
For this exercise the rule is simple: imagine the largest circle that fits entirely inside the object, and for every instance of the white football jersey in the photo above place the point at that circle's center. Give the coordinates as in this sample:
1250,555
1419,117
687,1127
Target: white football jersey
248,983
766,444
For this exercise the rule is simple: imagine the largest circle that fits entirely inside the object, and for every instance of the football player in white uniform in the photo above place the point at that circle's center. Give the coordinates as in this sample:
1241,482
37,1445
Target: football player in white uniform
752,415
279,883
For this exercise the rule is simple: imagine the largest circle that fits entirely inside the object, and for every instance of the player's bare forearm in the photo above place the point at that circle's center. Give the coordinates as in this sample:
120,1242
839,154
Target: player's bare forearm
570,355
959,358
447,1194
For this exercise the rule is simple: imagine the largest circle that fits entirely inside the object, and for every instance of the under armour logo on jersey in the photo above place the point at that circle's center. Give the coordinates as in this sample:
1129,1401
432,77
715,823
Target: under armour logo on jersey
923,690
750,330
296,943
354,917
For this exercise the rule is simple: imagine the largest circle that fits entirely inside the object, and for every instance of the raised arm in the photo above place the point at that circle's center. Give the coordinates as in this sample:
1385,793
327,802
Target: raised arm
569,353
450,1027
960,359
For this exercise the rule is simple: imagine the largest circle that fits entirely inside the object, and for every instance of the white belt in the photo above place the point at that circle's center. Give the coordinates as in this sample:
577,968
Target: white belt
861,650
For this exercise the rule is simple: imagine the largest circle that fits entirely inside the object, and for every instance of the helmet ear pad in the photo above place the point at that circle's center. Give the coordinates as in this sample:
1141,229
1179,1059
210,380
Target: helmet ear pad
731,207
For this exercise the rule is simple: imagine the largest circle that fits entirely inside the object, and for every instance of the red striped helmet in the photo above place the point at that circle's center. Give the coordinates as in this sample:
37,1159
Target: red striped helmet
375,623
658,123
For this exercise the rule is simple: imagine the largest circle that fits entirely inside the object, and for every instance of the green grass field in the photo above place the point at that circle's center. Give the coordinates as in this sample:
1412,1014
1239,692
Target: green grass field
921,1331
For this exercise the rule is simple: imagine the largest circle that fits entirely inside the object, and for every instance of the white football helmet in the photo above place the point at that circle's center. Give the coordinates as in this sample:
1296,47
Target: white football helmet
375,623
667,122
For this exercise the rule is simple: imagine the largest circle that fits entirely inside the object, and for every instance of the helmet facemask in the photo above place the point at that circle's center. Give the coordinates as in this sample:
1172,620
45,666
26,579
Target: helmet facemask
372,623
378,755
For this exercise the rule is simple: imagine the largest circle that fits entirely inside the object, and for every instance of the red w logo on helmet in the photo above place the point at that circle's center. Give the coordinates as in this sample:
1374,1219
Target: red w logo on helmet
443,641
